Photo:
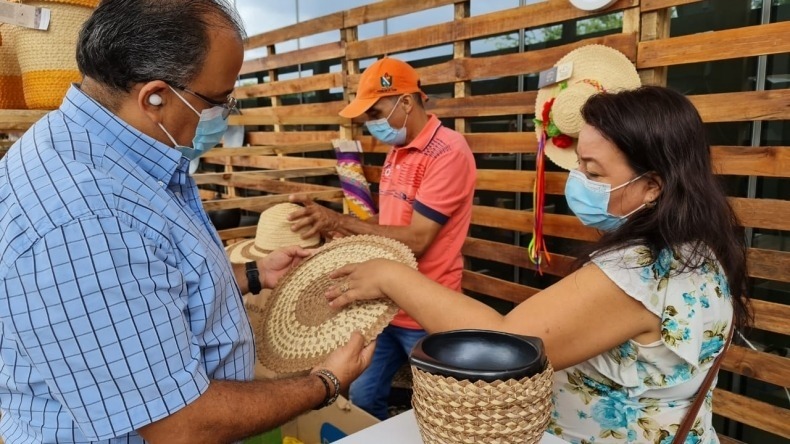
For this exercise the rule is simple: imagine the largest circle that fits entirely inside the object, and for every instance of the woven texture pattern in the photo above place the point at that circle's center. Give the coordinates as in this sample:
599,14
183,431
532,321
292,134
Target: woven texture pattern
11,96
47,59
449,411
300,329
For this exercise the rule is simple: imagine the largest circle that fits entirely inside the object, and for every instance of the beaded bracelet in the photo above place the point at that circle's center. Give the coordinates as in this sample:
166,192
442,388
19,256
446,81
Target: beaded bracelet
326,376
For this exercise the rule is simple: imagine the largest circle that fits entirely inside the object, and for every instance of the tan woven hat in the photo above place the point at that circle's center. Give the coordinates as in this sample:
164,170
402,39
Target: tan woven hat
298,329
596,68
274,231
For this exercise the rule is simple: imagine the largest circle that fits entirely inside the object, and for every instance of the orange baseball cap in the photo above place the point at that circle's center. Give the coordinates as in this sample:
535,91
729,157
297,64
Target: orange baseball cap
387,77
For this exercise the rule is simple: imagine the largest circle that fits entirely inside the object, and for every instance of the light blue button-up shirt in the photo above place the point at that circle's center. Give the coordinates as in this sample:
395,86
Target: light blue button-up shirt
117,302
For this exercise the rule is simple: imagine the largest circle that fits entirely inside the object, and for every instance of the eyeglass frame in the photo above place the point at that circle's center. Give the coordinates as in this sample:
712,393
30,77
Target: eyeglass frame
228,106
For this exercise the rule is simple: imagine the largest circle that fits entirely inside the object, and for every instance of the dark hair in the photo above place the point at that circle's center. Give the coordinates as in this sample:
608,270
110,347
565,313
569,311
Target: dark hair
126,42
661,132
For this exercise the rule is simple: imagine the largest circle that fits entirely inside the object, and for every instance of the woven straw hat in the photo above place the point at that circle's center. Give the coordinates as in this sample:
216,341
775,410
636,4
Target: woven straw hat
273,232
298,329
596,68
47,58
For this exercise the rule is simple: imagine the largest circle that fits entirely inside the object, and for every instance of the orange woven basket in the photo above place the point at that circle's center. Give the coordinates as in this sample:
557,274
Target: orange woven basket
11,96
47,59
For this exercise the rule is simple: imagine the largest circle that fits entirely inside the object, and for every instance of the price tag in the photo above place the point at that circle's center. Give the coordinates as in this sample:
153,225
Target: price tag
556,74
24,15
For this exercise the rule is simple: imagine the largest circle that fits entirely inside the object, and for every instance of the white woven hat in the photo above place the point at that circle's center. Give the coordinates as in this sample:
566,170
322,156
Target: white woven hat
273,232
596,69
298,329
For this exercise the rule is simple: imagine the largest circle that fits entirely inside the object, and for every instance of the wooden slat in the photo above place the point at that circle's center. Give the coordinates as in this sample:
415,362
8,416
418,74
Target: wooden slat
724,439
388,9
771,316
749,41
751,161
744,106
561,265
769,264
482,106
279,162
317,82
291,137
751,412
539,14
653,5
519,181
766,367
462,69
216,178
19,120
479,143
772,214
267,150
497,288
235,233
568,227
259,202
318,53
309,114
278,186
317,25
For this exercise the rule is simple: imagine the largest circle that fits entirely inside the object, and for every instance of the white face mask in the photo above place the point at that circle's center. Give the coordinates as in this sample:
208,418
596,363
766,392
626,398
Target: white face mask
589,201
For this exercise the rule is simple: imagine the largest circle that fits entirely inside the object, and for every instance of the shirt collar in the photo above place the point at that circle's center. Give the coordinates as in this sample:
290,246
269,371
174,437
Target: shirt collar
155,158
426,135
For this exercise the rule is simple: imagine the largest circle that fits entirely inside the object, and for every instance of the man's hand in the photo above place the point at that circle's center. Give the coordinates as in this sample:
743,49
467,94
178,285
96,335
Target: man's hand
315,219
279,262
350,360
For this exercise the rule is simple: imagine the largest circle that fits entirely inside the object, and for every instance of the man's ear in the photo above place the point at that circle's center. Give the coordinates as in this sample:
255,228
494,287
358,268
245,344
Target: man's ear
407,102
151,97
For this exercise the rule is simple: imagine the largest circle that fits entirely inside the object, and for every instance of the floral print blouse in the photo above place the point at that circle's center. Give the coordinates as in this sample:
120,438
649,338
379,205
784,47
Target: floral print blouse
639,393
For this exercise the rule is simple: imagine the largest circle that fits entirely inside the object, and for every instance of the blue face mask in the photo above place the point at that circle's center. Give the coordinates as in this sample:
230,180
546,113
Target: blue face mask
208,134
589,201
383,131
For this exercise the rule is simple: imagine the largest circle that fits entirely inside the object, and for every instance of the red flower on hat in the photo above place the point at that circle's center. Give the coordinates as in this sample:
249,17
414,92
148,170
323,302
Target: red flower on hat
562,141
546,111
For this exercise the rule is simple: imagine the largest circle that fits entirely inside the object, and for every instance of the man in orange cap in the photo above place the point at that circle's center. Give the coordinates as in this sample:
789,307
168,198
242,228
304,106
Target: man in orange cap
425,199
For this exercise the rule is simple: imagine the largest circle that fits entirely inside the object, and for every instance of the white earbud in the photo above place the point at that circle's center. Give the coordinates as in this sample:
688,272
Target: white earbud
155,99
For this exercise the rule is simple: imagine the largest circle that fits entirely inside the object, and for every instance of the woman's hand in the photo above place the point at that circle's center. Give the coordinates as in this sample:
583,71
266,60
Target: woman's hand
279,262
360,282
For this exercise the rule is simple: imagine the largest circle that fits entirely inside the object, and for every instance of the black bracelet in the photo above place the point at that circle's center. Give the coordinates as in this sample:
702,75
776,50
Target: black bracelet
253,278
326,376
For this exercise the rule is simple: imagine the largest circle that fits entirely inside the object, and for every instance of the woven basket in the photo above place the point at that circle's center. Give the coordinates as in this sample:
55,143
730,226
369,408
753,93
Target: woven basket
47,59
450,411
11,96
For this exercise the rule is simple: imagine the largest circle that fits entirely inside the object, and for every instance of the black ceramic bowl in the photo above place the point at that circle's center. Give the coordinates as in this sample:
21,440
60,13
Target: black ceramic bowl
479,355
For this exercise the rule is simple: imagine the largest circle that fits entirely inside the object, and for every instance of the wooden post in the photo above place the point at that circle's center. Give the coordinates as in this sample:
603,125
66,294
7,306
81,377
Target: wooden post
462,50
655,25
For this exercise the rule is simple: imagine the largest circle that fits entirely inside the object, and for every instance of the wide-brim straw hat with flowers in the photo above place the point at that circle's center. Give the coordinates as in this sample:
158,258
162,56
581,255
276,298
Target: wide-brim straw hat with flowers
596,69
297,329
273,232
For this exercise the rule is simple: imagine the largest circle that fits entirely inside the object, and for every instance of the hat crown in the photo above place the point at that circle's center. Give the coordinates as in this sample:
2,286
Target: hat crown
274,230
388,77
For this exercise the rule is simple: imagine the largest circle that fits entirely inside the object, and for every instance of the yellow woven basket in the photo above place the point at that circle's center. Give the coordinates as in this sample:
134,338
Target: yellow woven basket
450,411
11,96
47,59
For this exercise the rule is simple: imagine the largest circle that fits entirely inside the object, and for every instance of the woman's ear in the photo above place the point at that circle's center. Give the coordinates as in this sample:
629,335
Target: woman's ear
655,184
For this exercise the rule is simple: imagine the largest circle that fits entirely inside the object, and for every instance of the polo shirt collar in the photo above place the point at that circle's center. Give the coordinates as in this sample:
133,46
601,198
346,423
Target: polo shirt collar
426,135
153,157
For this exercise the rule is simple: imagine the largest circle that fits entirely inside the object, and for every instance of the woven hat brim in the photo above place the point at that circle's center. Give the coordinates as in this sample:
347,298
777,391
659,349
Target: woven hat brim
601,63
299,329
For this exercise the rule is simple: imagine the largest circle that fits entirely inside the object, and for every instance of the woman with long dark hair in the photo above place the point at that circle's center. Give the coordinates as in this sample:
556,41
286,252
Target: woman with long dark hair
634,330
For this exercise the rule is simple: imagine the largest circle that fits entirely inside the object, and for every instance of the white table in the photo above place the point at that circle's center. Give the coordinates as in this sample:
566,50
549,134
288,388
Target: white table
402,429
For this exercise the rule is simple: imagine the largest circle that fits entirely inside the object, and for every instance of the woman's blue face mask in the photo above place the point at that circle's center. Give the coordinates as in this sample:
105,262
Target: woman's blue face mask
589,201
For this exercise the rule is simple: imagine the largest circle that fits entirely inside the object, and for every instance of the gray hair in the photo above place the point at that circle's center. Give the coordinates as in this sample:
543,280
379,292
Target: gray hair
126,42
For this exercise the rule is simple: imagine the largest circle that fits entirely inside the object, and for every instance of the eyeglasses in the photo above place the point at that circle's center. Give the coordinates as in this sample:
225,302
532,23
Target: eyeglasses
228,106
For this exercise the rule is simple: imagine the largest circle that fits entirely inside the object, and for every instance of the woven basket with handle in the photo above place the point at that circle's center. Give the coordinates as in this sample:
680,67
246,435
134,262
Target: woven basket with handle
11,96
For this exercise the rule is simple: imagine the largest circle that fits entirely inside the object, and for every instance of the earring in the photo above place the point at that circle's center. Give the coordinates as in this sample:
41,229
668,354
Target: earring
651,204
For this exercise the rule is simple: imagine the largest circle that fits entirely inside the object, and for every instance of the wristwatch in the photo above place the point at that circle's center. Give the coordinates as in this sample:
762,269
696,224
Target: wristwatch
253,277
